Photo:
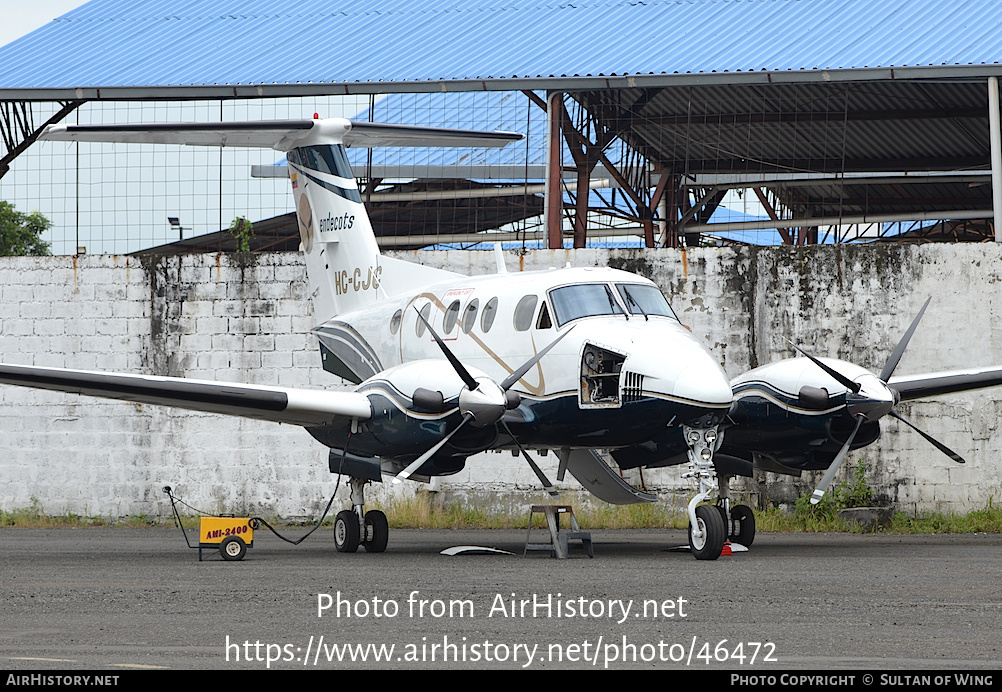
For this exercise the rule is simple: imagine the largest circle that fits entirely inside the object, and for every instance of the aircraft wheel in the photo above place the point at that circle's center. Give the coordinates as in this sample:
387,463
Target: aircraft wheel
714,531
346,531
377,532
723,515
743,519
232,548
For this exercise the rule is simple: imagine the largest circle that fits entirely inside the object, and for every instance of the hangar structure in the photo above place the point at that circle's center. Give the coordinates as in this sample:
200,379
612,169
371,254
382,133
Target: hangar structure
838,116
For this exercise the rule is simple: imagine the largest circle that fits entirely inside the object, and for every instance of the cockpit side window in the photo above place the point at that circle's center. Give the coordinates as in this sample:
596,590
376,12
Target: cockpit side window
583,300
544,321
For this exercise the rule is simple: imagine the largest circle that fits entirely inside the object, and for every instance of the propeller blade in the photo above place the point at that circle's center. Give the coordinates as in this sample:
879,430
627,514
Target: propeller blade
839,377
936,443
517,374
463,373
416,464
547,485
829,476
892,362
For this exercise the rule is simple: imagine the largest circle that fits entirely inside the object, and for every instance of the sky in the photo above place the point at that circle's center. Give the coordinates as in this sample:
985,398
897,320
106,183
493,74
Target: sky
20,18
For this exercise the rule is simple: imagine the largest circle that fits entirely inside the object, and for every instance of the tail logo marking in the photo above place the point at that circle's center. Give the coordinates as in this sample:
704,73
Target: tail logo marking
336,223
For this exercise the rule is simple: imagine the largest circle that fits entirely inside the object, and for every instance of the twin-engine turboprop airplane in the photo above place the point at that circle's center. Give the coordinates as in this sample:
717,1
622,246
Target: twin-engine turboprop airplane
589,363
571,360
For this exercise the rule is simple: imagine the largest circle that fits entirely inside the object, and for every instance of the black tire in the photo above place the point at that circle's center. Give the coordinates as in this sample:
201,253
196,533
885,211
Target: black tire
232,548
742,525
346,531
709,546
377,532
723,515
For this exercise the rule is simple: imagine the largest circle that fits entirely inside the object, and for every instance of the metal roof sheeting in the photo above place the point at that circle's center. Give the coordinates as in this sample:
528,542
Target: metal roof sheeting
369,45
495,110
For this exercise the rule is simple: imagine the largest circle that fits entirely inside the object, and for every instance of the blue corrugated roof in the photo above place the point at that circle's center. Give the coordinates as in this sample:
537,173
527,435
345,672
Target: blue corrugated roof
493,110
228,43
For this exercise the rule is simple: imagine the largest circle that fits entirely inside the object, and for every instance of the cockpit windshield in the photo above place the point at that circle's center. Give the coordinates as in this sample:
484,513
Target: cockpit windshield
583,300
643,299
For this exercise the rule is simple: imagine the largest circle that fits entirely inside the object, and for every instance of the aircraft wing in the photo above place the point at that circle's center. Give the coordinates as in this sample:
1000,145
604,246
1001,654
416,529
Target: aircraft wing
931,384
280,134
312,408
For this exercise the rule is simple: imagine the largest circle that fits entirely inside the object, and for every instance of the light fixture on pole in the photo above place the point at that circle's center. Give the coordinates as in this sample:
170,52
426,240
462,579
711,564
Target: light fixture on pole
175,223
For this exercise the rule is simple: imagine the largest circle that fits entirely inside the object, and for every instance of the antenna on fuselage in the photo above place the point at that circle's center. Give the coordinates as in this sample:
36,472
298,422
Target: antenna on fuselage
499,259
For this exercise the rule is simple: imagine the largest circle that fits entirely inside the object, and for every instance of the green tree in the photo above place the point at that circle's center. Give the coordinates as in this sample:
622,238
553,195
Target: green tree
21,234
242,231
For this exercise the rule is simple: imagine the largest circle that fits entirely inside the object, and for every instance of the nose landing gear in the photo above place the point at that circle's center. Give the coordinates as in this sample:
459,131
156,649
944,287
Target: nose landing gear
707,529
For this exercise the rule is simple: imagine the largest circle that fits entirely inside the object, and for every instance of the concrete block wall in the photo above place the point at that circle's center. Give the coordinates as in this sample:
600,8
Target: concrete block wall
223,318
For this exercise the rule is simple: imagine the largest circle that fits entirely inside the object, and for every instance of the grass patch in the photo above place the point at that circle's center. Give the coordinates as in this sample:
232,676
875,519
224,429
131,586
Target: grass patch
34,517
985,520
428,511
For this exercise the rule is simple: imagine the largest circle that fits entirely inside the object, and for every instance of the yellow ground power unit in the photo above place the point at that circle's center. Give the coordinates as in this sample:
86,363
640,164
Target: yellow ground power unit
230,535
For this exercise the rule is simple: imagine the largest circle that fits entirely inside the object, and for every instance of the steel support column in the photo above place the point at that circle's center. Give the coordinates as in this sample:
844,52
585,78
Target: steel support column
996,151
18,130
554,200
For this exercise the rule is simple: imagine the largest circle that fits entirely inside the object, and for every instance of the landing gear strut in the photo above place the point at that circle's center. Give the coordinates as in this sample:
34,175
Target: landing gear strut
355,526
707,530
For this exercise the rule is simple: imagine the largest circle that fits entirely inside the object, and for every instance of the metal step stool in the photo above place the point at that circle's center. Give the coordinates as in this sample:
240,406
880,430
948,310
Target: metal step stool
558,544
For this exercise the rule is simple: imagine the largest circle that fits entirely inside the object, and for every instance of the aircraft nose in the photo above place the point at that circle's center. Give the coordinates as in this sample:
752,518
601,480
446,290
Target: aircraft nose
703,382
682,369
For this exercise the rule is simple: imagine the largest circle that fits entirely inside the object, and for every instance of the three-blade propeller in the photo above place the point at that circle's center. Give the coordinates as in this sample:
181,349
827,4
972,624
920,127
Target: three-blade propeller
872,402
483,402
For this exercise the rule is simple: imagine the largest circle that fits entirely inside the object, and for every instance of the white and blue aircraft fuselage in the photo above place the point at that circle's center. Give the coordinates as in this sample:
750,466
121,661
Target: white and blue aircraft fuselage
569,360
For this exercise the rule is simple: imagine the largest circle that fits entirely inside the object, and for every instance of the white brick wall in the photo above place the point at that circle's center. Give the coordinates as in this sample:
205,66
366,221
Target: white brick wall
210,317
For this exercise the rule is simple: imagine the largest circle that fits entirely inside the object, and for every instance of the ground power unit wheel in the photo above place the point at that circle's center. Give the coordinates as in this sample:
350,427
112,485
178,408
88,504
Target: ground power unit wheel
232,548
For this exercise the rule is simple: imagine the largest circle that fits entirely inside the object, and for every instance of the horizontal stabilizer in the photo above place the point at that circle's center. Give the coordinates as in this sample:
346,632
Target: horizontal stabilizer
385,135
934,383
310,408
282,135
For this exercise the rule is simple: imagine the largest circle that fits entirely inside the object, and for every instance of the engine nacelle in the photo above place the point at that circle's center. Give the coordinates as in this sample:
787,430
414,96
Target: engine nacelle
414,405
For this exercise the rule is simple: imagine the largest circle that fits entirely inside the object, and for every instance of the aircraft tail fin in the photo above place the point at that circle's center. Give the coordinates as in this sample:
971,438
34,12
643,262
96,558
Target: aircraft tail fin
342,258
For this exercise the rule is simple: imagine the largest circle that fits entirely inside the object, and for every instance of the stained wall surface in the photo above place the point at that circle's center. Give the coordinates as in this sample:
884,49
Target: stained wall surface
224,318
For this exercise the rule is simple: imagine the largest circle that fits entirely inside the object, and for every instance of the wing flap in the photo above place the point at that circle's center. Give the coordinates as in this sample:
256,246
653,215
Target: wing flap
931,384
283,405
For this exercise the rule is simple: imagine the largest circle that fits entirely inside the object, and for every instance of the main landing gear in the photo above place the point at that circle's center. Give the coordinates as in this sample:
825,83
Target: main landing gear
739,520
710,526
355,526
